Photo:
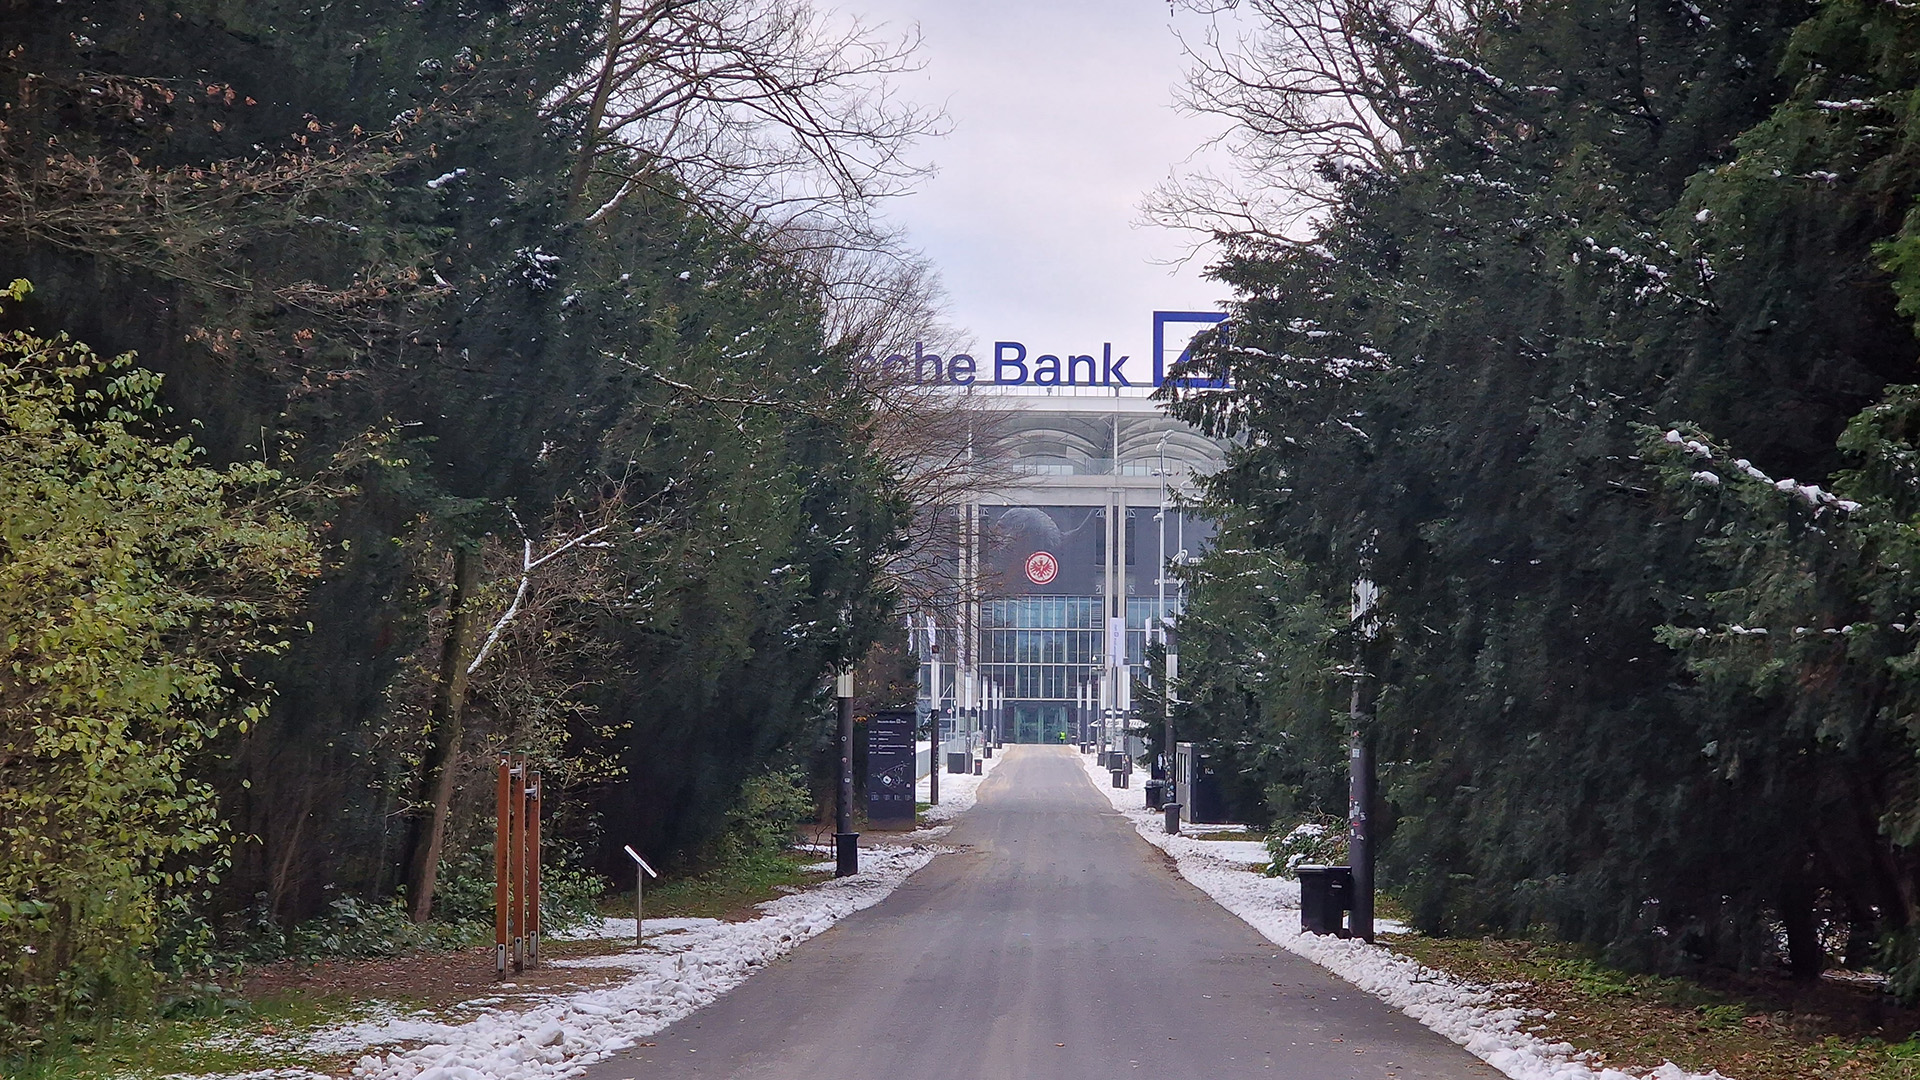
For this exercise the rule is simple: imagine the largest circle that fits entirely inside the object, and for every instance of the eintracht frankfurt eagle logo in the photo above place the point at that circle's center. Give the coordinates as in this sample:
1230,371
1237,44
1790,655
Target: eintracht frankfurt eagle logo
1042,567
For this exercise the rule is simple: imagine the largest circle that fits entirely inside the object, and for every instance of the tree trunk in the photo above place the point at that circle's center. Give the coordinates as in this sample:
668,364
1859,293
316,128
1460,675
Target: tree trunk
596,113
446,720
1805,955
1862,938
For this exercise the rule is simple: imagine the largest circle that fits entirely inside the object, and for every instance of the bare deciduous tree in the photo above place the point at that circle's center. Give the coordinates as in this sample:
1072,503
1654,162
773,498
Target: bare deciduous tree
769,111
543,575
779,118
196,223
940,443
1311,90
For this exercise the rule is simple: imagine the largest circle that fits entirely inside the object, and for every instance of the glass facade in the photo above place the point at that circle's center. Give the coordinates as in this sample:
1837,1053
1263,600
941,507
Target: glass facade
1047,648
1040,639
1040,647
1089,531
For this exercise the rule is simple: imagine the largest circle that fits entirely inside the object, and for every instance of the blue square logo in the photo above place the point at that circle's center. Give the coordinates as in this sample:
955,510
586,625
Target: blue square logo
1183,326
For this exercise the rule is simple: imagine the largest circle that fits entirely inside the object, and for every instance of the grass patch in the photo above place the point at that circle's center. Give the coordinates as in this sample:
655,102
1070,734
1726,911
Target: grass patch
726,892
246,1036
228,1029
1753,1027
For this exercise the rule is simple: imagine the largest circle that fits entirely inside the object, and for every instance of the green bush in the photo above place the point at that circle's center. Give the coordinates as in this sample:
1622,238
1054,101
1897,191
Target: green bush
1316,840
134,584
1899,956
762,822
569,894
355,929
350,928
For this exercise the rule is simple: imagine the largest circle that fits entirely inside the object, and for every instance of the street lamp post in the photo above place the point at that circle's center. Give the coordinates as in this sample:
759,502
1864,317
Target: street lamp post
933,716
990,714
846,842
975,691
1101,714
989,704
1080,715
933,757
1167,699
1360,774
999,715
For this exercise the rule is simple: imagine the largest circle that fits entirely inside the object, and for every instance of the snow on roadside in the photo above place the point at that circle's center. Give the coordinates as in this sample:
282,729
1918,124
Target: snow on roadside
687,964
690,963
621,926
957,791
1474,1016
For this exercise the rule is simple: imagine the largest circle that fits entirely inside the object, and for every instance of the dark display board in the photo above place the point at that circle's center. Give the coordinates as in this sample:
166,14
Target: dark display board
890,766
1062,550
1072,539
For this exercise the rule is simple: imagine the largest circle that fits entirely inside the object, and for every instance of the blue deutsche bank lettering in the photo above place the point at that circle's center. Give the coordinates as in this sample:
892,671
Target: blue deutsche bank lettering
1011,366
1002,361
958,369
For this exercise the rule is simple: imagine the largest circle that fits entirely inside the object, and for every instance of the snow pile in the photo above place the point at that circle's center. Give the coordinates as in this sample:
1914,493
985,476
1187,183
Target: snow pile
621,926
686,964
957,791
1476,1017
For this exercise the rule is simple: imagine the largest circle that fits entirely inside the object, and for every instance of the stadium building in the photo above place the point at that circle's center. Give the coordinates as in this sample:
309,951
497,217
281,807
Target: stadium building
1067,559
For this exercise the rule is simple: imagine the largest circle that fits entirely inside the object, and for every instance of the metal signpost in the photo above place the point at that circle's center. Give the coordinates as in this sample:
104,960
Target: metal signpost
641,872
999,716
990,722
1080,715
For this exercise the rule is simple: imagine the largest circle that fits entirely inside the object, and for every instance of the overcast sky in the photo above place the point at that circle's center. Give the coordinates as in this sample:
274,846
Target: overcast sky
1062,121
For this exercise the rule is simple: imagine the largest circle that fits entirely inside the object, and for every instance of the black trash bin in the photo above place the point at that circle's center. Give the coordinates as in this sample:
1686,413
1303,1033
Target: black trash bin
1326,893
1119,777
959,762
1156,794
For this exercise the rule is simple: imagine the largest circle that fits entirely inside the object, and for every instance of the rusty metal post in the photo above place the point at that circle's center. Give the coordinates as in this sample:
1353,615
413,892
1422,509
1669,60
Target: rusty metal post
533,868
517,864
503,790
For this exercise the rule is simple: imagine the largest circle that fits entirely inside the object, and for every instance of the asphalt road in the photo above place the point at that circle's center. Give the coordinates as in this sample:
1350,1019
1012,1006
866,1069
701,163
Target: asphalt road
1055,943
